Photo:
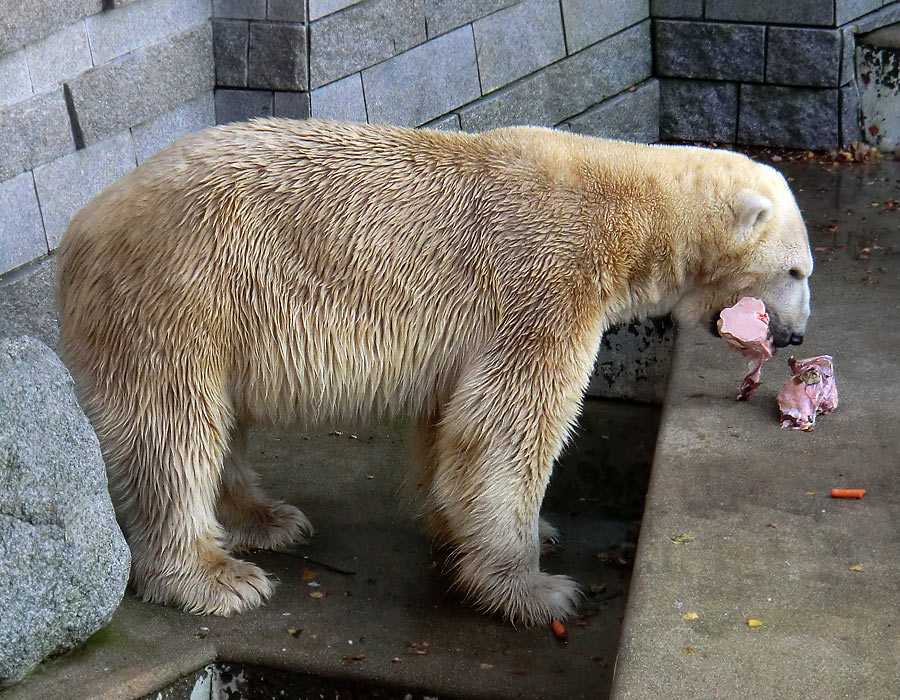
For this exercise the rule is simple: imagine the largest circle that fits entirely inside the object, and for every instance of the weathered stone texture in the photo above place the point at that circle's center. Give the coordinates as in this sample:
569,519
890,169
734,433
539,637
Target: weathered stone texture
291,105
33,132
230,43
808,57
698,110
363,35
146,83
24,22
631,116
61,55
676,8
21,230
848,10
342,99
804,12
277,56
709,50
117,32
63,561
850,122
239,9
588,21
444,15
286,10
796,117
568,87
449,122
15,83
321,8
399,91
241,105
68,183
159,132
517,41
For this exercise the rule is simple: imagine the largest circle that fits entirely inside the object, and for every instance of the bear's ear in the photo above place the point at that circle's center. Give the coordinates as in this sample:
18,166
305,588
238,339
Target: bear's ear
751,209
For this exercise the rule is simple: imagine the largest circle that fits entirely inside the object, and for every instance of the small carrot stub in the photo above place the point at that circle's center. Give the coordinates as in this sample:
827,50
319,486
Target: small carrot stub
559,630
848,493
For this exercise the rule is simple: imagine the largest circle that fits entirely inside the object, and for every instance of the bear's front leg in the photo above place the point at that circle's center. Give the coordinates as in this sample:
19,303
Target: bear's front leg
500,434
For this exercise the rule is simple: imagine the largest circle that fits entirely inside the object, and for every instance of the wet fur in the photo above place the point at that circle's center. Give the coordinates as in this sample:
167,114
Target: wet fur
313,272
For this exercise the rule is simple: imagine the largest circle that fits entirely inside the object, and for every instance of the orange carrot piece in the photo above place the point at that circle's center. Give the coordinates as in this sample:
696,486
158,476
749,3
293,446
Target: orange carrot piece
847,493
559,630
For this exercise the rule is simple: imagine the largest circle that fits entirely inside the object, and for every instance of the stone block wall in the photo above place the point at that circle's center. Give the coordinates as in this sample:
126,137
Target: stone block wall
88,89
583,65
762,73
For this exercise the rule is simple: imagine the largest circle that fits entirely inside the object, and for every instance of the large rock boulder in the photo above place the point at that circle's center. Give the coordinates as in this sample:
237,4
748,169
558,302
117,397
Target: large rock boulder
63,561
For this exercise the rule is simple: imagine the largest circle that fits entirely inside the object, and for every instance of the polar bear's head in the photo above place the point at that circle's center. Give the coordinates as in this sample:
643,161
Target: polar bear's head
761,249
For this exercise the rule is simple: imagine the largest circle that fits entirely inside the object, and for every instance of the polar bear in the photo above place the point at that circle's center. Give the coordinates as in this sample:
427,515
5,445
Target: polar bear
313,271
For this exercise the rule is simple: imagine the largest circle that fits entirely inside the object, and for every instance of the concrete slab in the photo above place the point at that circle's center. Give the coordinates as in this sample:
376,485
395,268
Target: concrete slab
396,603
770,542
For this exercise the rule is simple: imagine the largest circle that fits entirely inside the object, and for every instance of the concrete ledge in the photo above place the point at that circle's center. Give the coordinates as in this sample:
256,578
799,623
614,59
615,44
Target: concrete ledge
770,543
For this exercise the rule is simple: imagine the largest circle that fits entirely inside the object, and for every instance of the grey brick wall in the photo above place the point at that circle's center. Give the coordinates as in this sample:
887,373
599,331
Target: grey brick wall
88,88
798,55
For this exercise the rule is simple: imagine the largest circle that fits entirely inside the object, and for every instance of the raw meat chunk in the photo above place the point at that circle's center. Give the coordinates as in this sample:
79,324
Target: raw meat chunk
746,326
810,391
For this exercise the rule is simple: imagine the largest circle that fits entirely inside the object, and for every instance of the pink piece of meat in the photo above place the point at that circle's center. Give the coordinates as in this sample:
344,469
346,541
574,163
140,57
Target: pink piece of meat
809,392
746,326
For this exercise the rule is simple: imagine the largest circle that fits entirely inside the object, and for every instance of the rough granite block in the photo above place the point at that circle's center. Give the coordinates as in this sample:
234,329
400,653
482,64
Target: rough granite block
21,229
159,132
444,15
674,9
804,56
568,87
286,10
230,42
698,110
68,183
58,57
33,132
808,12
789,117
848,55
587,21
850,122
848,10
15,83
517,41
320,8
117,32
399,91
277,56
709,50
291,105
241,105
24,22
144,84
239,9
632,115
449,122
363,35
342,99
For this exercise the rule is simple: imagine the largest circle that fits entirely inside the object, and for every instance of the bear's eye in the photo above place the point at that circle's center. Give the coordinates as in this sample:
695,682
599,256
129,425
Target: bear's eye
796,274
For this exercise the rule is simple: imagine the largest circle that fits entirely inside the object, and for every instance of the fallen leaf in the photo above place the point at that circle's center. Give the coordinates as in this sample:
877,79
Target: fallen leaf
690,616
856,567
396,660
420,648
682,538
485,667
689,650
308,575
754,623
295,633
773,526
810,493
597,588
353,657
317,594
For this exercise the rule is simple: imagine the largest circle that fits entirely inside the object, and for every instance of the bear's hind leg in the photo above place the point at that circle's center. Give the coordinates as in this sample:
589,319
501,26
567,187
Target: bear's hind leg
164,441
251,518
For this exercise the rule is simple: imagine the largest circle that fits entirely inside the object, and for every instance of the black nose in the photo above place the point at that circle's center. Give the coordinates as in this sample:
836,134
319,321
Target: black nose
796,339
